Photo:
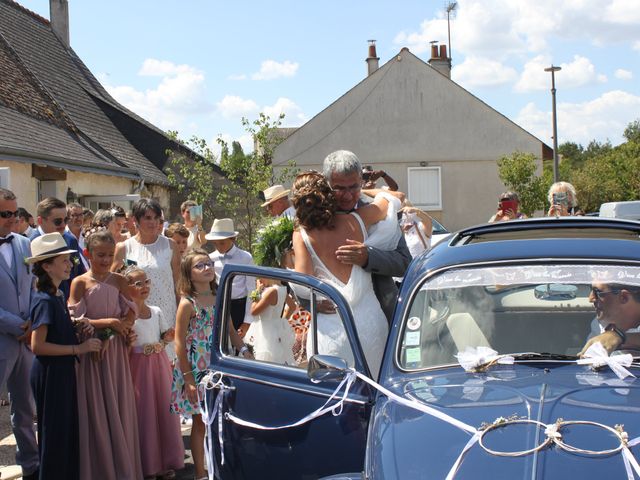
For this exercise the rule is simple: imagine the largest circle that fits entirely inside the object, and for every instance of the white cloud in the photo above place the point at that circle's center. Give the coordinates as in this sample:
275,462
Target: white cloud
482,72
233,106
500,28
270,70
180,94
294,116
623,74
577,73
602,118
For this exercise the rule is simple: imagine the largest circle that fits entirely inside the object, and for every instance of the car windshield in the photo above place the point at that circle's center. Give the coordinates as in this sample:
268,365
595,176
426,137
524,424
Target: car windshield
511,309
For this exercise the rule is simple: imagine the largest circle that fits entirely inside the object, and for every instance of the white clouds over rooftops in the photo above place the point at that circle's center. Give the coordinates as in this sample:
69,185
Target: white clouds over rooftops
270,70
604,117
577,73
482,72
237,107
501,28
181,93
233,106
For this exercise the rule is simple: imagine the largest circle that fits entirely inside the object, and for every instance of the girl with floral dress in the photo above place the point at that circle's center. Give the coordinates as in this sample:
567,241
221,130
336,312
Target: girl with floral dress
194,321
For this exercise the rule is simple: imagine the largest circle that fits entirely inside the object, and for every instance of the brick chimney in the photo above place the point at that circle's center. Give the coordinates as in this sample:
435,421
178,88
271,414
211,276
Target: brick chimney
372,59
439,60
59,14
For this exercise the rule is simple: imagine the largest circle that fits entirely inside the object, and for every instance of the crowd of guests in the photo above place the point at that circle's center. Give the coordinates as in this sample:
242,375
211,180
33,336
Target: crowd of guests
106,319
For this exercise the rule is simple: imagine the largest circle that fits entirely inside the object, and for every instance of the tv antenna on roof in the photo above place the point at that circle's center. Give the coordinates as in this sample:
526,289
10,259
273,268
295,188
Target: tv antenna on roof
450,9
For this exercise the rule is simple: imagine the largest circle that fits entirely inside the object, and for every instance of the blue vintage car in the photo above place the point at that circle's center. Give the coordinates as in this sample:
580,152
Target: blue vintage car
480,376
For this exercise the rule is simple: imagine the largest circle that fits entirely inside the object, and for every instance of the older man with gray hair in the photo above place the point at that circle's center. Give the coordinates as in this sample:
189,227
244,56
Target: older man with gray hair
343,171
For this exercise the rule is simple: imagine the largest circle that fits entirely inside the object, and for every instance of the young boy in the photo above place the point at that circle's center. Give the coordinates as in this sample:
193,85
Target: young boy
223,236
179,234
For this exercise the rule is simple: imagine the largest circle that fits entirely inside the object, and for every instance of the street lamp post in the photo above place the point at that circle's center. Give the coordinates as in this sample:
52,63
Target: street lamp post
553,69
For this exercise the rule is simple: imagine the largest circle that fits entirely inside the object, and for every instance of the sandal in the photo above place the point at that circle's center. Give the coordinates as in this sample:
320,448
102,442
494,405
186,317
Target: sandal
168,475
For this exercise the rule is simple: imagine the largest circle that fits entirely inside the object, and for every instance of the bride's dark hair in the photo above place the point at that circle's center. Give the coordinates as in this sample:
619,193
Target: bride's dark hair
314,201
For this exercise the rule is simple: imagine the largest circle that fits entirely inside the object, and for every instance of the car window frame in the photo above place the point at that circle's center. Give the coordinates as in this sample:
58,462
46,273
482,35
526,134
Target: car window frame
318,287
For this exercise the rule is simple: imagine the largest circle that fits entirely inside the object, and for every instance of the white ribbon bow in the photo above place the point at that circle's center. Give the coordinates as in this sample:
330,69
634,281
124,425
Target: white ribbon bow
471,359
630,462
597,356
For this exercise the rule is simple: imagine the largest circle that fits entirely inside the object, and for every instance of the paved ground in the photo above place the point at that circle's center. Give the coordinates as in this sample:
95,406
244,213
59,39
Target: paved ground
8,450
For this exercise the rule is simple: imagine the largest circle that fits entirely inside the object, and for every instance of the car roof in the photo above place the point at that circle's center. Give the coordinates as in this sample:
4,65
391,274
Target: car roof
557,239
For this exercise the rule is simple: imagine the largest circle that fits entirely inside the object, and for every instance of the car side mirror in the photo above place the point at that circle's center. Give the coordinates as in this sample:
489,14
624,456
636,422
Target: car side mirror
324,368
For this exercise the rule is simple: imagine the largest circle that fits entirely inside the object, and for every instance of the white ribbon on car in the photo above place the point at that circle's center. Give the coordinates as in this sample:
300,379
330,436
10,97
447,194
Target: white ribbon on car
208,383
629,460
597,356
335,409
476,359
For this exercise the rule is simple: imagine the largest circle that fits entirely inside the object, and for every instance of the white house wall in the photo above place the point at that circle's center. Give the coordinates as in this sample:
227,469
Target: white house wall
25,187
407,114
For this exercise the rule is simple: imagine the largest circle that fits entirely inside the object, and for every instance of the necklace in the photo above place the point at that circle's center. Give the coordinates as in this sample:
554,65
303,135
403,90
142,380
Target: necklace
204,293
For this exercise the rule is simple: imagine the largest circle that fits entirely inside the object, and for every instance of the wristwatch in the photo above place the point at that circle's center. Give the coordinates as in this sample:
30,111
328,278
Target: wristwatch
243,350
612,327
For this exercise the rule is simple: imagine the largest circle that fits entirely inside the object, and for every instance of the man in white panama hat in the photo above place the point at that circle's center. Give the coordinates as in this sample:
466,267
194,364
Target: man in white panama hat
223,235
15,357
277,202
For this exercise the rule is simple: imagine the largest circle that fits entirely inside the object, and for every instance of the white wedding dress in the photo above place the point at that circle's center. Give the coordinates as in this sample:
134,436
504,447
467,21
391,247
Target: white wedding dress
370,321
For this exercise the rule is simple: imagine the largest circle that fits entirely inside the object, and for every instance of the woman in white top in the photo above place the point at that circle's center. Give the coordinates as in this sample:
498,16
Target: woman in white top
157,255
417,229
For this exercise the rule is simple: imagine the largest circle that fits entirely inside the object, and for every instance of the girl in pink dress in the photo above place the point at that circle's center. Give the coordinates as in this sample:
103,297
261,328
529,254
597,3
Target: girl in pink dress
109,442
161,439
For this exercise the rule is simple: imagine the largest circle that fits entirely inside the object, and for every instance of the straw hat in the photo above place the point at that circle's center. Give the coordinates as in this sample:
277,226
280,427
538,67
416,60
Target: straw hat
222,228
274,193
47,246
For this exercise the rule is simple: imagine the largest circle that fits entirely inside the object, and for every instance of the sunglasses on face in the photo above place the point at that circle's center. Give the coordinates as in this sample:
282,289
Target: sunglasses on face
59,221
600,294
201,266
8,214
142,283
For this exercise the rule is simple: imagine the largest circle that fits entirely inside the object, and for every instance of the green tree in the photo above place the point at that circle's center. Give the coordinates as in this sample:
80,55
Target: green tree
613,176
632,132
518,172
193,172
249,174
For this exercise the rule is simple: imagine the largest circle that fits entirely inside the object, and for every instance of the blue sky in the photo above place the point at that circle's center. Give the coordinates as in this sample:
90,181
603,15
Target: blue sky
198,66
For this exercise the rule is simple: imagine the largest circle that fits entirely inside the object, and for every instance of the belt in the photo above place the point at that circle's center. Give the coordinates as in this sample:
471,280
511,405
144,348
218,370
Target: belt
149,348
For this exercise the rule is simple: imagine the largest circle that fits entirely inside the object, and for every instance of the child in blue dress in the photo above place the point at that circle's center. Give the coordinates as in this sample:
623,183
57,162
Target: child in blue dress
55,345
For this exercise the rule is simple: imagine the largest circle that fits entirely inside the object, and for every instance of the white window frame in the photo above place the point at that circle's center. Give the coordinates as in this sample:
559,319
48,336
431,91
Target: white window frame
416,204
5,177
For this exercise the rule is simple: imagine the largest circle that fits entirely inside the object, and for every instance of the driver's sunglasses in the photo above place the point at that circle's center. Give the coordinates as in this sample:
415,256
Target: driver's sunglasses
600,294
201,266
142,283
8,214
59,221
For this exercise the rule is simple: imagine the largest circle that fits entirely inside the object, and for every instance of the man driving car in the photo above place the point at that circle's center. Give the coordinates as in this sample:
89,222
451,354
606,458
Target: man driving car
618,314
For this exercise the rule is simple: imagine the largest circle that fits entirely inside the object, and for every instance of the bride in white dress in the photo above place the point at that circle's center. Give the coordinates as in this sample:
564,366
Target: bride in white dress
321,230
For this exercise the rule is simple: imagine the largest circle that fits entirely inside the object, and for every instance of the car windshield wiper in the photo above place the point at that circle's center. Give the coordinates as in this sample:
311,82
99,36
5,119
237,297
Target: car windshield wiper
543,356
